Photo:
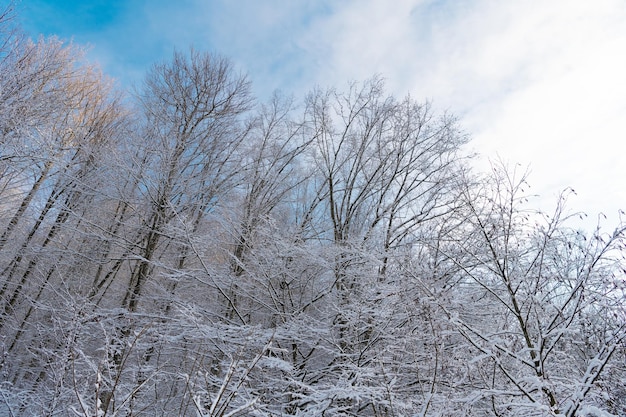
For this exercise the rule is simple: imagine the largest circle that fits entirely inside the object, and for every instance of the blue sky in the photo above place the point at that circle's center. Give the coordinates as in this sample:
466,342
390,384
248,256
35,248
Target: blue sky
126,37
536,82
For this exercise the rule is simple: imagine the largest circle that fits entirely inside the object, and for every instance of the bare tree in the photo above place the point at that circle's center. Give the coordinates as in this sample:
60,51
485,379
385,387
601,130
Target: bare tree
192,106
61,121
384,171
551,305
186,162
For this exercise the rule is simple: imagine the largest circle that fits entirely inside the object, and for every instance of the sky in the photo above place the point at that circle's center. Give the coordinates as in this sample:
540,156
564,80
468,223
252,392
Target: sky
540,83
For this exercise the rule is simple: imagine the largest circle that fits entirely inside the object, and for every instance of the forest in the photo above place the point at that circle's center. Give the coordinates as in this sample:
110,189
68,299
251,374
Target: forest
187,249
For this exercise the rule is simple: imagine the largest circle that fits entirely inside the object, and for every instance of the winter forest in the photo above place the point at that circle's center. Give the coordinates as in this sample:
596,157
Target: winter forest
186,249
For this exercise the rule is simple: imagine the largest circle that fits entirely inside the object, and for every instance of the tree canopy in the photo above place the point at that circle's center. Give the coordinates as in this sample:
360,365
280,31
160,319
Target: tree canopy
189,250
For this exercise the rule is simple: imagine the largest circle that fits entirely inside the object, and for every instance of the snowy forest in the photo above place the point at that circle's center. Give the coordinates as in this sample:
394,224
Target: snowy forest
186,249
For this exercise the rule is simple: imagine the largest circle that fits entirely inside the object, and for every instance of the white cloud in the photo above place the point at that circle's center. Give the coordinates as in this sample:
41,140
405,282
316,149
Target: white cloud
564,113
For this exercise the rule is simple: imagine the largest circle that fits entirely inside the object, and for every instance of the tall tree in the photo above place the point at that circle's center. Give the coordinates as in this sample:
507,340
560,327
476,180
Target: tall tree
192,133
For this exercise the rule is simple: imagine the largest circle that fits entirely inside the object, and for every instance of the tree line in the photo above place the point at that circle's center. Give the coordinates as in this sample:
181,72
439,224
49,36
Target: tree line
188,250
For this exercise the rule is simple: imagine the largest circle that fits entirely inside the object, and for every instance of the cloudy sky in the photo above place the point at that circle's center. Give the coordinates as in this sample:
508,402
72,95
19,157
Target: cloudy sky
536,82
